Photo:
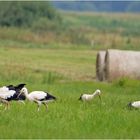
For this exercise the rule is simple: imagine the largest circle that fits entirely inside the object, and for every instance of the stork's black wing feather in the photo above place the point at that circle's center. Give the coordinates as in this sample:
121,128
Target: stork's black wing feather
50,97
19,87
10,87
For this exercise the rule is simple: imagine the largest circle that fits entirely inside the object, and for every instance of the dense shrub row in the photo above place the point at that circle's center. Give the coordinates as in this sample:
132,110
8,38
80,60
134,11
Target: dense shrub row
25,13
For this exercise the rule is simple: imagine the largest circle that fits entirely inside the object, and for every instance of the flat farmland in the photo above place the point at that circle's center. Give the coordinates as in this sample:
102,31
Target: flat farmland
66,74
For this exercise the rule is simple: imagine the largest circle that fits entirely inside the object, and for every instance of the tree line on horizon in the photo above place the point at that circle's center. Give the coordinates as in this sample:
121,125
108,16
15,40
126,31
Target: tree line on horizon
98,6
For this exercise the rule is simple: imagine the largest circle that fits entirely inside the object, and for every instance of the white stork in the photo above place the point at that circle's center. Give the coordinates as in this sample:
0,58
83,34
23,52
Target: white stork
9,93
6,88
135,104
89,97
7,96
38,97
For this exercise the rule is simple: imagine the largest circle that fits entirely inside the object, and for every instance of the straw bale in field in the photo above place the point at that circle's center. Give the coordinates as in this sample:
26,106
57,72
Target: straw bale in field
100,65
120,63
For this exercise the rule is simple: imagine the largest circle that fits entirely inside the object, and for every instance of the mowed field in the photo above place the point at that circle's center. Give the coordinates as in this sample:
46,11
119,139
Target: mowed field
66,74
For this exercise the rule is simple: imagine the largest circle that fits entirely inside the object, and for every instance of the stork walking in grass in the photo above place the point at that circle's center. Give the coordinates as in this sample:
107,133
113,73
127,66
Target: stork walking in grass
10,93
89,97
135,104
39,97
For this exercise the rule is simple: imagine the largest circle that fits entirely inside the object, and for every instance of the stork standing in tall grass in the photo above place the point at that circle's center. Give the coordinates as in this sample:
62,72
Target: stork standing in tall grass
10,93
89,97
39,97
135,104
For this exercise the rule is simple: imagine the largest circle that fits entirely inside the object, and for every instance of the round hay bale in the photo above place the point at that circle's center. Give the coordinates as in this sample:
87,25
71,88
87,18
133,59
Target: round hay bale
120,64
100,59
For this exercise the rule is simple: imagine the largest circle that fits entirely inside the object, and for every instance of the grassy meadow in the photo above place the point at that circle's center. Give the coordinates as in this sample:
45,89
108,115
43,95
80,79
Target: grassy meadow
55,62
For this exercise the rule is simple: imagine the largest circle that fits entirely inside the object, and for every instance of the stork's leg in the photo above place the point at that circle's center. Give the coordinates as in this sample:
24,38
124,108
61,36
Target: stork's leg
6,106
46,106
38,107
1,101
38,104
4,102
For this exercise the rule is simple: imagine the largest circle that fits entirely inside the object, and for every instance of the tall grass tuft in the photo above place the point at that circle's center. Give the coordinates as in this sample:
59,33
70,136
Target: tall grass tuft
51,77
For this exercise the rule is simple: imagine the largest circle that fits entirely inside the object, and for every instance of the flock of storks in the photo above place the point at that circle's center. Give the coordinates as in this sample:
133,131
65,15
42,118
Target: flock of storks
20,93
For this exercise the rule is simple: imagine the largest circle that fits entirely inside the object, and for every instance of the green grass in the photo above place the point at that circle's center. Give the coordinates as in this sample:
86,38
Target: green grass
70,118
66,74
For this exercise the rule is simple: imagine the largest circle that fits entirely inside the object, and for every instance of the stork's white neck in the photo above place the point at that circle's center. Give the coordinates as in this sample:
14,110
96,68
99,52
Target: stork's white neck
95,93
25,92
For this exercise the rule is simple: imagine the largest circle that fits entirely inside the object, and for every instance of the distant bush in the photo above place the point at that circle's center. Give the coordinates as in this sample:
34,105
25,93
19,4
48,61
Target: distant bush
43,24
24,13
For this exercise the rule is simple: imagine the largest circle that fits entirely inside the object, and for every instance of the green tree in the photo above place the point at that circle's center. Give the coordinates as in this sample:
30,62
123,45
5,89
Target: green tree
24,13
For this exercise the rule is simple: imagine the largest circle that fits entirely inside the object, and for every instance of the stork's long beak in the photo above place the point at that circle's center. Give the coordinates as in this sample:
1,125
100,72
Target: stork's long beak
19,94
100,98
